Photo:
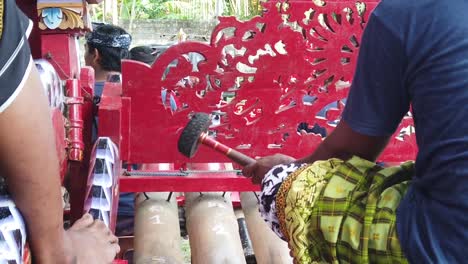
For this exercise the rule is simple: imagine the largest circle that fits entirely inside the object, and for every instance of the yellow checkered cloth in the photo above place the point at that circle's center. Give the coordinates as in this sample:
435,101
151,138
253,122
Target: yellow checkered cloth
343,211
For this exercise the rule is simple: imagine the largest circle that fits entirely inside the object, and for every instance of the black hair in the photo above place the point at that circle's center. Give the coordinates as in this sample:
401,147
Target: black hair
110,57
144,54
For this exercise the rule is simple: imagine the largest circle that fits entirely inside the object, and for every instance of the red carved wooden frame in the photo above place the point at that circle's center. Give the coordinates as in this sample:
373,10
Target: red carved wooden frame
263,78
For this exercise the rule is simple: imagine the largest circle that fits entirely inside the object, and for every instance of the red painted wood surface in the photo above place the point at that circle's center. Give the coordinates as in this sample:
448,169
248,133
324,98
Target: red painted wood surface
58,122
204,178
110,113
293,65
75,103
78,170
60,50
208,182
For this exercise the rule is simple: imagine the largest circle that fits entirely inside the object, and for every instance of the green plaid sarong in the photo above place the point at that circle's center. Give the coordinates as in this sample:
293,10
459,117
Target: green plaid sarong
351,217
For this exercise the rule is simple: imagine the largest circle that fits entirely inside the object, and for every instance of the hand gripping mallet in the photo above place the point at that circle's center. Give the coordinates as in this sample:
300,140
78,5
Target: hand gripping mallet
196,133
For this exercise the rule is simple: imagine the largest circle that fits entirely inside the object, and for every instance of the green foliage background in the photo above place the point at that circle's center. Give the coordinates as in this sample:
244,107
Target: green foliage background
178,9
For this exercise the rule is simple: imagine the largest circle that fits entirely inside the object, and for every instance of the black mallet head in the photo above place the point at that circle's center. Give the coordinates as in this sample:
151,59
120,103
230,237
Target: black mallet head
189,139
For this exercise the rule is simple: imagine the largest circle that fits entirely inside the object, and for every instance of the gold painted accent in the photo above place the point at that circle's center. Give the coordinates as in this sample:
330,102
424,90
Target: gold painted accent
74,14
55,4
281,197
1,18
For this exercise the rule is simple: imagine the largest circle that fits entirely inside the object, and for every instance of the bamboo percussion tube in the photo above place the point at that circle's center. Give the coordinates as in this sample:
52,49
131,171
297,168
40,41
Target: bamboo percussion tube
157,231
275,251
212,229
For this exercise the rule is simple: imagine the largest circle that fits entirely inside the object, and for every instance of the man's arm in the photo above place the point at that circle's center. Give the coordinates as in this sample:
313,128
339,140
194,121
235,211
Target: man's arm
29,162
344,142
28,157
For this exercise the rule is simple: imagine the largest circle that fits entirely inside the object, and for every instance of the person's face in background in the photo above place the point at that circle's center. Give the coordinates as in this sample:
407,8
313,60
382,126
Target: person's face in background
91,58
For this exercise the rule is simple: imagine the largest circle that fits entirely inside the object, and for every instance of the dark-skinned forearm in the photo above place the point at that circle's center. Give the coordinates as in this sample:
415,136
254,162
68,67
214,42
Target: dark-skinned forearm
343,143
30,166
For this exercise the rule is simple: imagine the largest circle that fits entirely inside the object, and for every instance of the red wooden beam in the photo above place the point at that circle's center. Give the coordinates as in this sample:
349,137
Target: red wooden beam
210,182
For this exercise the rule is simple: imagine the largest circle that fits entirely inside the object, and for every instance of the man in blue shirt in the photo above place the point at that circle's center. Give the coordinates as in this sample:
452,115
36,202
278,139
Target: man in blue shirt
412,53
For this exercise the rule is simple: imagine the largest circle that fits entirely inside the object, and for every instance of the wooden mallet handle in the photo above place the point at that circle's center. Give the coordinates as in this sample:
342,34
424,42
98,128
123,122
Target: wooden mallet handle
233,154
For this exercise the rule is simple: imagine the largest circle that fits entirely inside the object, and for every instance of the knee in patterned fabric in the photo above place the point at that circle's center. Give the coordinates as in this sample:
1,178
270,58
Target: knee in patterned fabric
340,211
270,186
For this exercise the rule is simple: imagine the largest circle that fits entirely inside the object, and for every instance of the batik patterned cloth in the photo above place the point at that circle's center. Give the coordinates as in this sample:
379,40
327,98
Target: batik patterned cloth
270,187
339,211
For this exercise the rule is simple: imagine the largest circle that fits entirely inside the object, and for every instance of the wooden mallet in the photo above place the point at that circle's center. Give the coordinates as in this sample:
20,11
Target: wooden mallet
196,133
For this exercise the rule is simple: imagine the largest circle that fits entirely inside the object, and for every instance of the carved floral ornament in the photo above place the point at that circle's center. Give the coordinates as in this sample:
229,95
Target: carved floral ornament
64,14
275,83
